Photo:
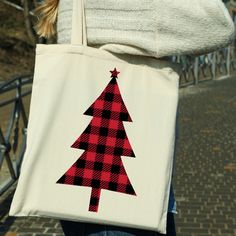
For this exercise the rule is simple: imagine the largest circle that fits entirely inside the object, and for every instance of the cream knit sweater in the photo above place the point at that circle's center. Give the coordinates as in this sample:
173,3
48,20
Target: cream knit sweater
151,27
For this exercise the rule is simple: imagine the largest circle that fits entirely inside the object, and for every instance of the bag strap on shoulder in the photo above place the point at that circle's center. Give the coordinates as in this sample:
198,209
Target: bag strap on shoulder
78,31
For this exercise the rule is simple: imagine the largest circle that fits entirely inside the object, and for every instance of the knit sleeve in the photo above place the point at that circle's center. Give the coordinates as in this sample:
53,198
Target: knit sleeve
154,28
192,27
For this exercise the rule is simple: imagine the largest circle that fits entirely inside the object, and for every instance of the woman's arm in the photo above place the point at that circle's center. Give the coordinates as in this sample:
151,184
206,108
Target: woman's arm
152,27
192,26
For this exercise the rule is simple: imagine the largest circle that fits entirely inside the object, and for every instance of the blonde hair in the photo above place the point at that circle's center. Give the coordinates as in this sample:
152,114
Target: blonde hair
47,15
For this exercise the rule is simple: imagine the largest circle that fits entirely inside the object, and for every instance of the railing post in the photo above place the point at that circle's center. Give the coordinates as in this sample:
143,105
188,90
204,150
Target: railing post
228,62
213,66
196,70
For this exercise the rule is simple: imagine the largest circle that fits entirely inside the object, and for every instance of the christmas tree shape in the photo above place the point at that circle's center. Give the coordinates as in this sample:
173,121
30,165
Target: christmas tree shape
104,141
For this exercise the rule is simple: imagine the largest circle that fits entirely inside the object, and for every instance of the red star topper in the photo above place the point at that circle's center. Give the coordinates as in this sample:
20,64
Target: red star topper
114,73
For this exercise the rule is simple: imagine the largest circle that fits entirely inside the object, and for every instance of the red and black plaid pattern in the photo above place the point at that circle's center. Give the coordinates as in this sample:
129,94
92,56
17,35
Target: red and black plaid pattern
109,104
104,141
105,136
99,171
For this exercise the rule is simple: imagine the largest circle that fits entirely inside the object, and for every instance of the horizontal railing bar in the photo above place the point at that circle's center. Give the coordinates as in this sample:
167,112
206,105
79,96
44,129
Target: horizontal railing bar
186,84
10,81
15,85
16,6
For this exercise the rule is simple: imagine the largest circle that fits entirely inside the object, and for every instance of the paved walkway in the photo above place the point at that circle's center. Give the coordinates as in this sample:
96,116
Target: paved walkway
205,169
206,165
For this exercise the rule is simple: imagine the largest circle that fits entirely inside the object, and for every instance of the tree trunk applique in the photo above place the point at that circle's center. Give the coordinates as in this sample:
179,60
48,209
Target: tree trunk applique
104,141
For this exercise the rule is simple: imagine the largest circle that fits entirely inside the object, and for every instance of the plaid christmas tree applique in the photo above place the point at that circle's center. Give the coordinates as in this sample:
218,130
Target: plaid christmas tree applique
104,141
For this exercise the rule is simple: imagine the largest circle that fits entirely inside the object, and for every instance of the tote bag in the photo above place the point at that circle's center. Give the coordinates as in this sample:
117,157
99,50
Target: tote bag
101,136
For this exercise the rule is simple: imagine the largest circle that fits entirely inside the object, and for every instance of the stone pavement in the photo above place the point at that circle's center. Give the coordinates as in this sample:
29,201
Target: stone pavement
205,180
205,174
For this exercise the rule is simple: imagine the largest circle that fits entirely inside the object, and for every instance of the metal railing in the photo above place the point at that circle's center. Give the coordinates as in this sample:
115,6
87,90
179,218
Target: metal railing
206,67
13,128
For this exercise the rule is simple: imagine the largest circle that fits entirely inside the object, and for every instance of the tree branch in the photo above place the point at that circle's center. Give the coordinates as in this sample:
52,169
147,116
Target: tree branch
28,23
15,6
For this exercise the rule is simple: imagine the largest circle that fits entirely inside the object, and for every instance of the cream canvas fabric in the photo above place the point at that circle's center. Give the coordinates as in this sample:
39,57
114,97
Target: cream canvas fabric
68,79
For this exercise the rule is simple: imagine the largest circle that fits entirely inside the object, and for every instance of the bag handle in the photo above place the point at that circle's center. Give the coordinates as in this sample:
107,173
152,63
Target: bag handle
78,31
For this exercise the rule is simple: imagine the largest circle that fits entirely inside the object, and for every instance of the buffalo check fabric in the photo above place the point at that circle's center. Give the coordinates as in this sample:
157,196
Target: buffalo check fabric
104,141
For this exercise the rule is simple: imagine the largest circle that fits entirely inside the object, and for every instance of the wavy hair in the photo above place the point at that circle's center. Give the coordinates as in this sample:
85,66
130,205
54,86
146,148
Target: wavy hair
47,16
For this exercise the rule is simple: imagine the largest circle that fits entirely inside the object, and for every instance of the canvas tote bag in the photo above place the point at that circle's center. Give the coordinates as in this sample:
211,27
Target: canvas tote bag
100,138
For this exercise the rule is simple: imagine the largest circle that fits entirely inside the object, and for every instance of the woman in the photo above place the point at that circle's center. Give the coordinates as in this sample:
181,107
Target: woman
149,28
